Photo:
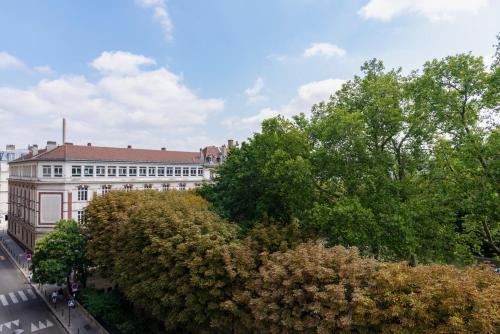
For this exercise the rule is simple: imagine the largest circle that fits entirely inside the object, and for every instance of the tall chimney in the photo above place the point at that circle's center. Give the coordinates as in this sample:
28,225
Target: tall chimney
64,131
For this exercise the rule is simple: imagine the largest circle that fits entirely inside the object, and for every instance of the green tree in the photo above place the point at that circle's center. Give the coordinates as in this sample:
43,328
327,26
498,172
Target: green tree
59,253
463,91
268,177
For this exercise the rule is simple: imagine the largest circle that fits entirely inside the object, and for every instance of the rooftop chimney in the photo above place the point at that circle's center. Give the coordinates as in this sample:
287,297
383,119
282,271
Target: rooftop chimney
10,147
163,149
34,149
89,144
129,146
230,143
64,131
51,145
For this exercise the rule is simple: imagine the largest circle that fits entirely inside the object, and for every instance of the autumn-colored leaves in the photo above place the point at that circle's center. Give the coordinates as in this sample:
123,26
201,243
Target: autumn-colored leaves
182,264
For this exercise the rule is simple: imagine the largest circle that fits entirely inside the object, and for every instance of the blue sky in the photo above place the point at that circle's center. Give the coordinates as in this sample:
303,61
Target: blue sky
185,74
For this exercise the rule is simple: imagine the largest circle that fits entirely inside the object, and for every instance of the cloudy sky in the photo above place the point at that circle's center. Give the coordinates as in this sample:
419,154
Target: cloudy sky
186,74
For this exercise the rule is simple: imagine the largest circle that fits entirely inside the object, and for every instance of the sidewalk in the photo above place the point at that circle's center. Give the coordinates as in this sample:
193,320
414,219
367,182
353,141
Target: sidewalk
73,320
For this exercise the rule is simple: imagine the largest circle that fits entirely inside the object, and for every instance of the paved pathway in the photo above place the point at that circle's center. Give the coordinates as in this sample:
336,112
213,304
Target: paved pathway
28,302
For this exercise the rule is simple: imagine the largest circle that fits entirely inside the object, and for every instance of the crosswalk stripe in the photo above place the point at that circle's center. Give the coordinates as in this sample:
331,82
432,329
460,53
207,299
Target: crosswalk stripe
31,293
13,297
22,295
4,300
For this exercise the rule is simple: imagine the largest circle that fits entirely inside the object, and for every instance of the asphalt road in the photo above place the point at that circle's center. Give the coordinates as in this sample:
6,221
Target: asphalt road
21,309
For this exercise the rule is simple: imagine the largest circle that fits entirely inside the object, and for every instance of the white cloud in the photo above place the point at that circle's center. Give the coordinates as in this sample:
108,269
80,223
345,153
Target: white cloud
160,14
120,62
253,93
45,69
145,108
8,61
276,57
432,9
324,49
307,95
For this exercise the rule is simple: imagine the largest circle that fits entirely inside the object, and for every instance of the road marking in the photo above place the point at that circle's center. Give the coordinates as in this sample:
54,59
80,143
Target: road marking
22,295
13,297
4,300
41,325
49,324
31,293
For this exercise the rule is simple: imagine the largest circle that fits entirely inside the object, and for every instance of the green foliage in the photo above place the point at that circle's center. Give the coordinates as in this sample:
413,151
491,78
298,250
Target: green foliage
58,253
398,165
268,176
114,312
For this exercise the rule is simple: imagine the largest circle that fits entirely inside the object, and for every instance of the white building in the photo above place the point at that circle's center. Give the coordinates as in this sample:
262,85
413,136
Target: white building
58,182
9,154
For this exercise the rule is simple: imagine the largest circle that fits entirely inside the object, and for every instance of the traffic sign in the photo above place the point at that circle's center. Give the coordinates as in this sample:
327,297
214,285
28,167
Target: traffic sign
74,286
71,303
28,257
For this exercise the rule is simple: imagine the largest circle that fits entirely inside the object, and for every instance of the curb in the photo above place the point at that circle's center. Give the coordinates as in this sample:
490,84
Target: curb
52,310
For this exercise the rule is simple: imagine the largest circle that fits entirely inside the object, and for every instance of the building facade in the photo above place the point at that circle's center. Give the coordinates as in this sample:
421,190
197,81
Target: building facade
58,182
10,154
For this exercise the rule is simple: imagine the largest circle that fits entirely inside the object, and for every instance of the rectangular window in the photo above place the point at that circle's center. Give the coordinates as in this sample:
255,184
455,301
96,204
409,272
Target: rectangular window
76,170
142,171
178,171
152,171
148,186
170,171
88,171
47,171
100,171
182,186
200,171
161,171
81,216
128,187
165,187
185,171
132,171
112,170
122,171
106,189
58,171
83,193
193,171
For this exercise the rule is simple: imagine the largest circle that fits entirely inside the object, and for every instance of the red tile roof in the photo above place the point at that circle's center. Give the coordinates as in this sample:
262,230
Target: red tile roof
96,153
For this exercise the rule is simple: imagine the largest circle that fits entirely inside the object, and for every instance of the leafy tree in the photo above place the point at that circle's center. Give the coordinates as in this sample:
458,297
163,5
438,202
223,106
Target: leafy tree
461,91
268,177
59,253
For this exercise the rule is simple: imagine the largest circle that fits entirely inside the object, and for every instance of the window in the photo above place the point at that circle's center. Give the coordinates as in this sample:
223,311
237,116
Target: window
83,193
58,171
170,171
200,171
193,171
106,189
142,171
132,171
178,171
128,187
76,170
185,171
47,171
152,171
165,187
112,170
161,171
80,216
88,171
122,171
100,171
182,186
148,186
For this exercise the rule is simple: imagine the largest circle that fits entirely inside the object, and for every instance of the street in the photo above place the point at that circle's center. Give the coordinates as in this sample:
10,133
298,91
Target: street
21,309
